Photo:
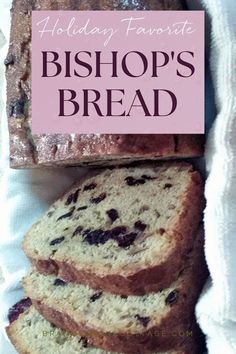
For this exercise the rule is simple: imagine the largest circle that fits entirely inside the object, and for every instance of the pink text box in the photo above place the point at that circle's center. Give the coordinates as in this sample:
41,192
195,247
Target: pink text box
152,82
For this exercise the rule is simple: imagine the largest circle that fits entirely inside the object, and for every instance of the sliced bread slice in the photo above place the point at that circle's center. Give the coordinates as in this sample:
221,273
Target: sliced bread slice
32,334
127,324
123,230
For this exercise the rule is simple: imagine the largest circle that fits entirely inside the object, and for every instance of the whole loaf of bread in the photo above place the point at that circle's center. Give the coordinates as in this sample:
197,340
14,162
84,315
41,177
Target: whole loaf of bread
28,150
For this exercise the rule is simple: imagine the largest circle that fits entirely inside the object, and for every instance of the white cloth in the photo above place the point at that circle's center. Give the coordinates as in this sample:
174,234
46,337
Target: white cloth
216,309
24,195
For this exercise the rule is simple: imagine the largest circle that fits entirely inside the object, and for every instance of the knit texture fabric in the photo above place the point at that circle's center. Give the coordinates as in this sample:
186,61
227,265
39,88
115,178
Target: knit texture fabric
216,309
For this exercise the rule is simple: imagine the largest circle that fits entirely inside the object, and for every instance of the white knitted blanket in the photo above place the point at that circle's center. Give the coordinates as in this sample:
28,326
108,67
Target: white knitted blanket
216,309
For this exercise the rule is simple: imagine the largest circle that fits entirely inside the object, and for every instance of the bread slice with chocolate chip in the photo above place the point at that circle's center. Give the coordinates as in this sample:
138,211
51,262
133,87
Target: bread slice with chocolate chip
126,324
125,230
30,333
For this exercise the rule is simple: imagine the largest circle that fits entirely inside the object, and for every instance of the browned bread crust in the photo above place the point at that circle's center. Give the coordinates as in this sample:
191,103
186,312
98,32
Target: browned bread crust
31,334
27,150
159,340
162,336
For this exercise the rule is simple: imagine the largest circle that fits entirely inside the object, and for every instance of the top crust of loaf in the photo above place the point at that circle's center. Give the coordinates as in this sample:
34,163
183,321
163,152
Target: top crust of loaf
159,214
27,150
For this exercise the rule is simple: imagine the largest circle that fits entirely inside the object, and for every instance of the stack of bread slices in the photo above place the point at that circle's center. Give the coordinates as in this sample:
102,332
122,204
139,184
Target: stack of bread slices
117,266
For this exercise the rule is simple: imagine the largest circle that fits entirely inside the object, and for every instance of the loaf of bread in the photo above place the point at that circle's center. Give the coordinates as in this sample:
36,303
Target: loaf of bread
125,230
32,334
28,150
127,324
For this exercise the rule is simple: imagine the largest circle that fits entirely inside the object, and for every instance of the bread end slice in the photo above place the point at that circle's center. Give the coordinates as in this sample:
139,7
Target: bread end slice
32,334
